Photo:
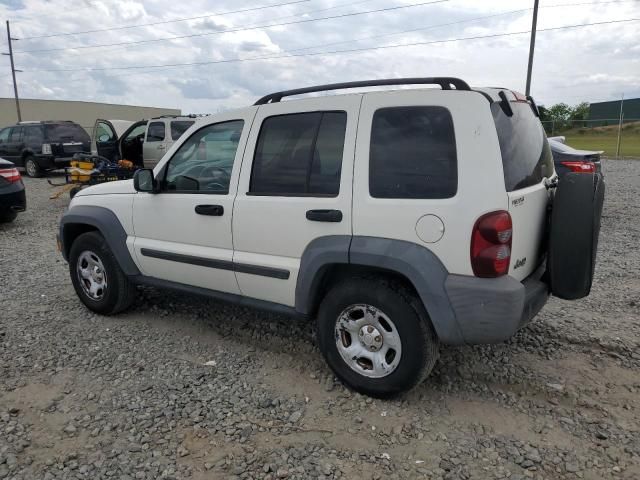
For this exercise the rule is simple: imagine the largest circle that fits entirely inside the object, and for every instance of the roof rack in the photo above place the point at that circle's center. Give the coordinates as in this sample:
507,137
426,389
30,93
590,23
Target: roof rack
445,82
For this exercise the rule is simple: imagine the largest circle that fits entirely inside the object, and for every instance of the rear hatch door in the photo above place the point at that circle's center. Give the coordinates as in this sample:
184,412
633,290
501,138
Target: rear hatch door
528,167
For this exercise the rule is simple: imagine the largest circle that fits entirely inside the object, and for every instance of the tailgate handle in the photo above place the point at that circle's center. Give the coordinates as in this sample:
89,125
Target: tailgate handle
324,215
211,210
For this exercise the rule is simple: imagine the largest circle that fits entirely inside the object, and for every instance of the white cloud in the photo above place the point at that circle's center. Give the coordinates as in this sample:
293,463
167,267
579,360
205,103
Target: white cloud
592,63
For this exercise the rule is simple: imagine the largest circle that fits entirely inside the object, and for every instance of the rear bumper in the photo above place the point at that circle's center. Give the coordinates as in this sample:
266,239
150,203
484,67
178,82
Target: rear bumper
13,198
491,310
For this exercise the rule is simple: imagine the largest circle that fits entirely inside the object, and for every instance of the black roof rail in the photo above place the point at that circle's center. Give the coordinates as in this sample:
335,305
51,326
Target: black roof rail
445,82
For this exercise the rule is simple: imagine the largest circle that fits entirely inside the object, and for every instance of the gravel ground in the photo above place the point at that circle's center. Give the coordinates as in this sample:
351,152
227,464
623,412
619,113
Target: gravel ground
182,387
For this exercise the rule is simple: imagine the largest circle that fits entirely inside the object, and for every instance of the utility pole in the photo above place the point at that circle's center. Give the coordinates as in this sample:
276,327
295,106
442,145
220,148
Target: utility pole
620,120
13,71
532,46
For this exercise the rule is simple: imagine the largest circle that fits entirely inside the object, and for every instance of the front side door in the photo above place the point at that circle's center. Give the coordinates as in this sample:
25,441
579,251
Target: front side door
106,140
183,233
4,142
155,145
131,141
295,186
15,146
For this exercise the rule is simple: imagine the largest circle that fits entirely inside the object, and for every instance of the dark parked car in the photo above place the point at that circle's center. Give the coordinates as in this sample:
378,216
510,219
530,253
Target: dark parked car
41,146
12,196
568,159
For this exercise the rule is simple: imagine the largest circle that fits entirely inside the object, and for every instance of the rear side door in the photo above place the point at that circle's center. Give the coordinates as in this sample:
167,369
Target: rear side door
528,165
295,187
183,233
154,146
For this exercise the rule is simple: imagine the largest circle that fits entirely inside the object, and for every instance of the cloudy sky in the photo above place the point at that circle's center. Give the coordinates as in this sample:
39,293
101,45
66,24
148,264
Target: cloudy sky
593,63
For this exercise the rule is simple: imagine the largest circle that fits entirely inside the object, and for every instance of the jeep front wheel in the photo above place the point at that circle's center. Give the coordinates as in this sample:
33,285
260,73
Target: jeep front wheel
376,336
97,278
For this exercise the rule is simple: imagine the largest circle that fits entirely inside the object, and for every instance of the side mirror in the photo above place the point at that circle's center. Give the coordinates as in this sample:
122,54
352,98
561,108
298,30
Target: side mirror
143,181
104,138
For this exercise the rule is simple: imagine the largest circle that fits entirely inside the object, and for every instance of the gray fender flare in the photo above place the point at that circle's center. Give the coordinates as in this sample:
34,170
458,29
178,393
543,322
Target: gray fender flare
415,262
107,223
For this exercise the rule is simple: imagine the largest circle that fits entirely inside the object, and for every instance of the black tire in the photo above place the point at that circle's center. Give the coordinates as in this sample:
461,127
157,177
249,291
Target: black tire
74,191
419,342
574,232
119,292
32,167
8,217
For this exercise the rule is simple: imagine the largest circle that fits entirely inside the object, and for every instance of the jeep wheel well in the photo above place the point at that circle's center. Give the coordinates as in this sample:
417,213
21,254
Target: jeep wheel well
73,231
333,273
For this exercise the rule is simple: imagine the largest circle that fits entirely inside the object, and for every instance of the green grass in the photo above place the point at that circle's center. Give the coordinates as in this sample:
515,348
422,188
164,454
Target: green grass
606,138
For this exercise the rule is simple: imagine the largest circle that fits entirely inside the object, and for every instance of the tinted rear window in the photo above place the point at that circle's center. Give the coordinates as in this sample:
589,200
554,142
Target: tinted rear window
412,153
299,154
179,127
66,132
526,156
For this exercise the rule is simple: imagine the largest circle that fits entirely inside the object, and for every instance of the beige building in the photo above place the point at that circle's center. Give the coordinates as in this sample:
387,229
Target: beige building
83,113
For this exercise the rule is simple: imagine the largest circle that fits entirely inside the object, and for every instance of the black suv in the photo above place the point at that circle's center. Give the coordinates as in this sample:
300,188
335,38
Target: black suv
41,146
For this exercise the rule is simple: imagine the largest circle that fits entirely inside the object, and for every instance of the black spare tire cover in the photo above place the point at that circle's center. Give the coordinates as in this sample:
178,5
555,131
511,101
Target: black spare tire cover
573,239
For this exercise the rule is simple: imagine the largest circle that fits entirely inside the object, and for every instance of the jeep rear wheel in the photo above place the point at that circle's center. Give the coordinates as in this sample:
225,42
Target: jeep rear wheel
97,278
376,336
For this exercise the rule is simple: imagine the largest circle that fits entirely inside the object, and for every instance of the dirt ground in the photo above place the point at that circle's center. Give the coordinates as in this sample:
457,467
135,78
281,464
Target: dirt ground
181,387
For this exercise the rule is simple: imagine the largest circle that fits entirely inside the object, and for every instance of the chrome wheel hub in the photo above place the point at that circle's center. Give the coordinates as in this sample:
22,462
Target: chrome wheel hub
368,341
91,275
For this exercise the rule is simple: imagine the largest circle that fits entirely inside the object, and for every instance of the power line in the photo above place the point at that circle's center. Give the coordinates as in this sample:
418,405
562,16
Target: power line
239,29
49,15
352,50
253,9
419,29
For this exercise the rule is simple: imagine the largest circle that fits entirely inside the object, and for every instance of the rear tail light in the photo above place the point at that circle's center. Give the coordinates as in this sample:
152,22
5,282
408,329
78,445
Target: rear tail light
491,244
580,167
11,175
46,149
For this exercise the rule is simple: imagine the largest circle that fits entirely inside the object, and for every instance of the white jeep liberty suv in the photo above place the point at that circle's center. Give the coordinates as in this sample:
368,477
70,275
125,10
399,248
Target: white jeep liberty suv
400,219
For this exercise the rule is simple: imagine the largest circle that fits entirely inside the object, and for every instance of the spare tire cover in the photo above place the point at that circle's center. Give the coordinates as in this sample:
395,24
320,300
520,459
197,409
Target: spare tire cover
573,236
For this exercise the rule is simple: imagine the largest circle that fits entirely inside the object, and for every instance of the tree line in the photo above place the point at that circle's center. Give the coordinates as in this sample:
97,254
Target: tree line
564,116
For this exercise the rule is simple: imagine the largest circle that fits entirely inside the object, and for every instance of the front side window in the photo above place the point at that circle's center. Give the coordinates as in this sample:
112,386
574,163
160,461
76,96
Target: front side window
4,135
204,162
104,133
299,154
178,127
136,132
155,132
413,153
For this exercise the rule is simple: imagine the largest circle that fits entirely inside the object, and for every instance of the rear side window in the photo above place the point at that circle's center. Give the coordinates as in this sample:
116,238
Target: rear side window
179,127
66,132
526,156
412,153
299,154
16,134
33,135
155,132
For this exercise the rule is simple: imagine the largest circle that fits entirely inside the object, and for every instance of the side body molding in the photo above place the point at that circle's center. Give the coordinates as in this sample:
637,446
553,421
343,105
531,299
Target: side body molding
415,262
107,223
